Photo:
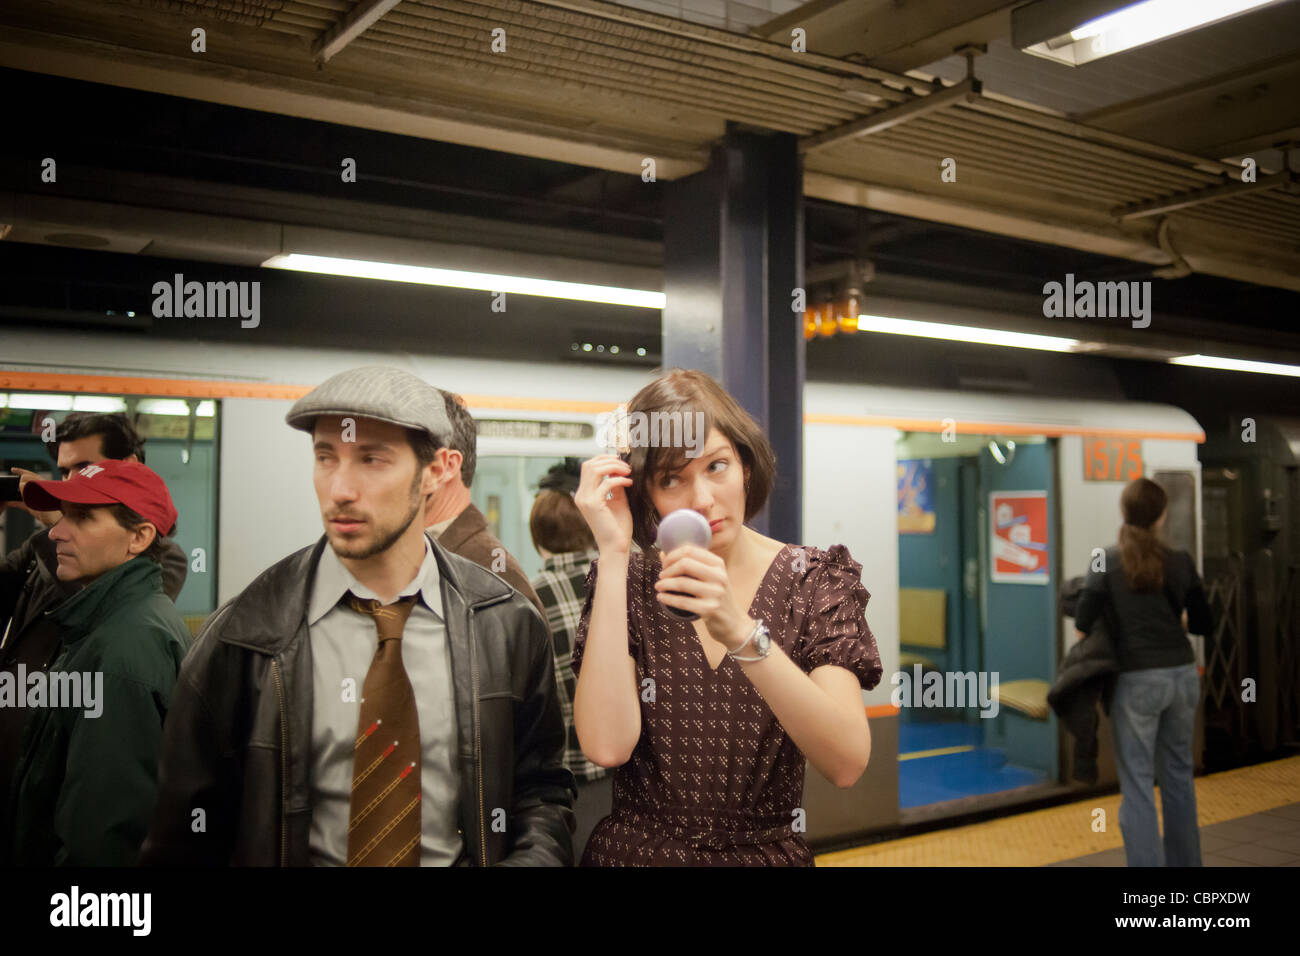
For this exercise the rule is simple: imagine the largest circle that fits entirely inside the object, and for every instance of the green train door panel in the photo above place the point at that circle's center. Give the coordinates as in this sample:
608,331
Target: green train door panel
1019,577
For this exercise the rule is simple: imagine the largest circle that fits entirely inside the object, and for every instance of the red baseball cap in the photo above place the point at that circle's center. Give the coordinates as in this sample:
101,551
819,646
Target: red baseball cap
109,482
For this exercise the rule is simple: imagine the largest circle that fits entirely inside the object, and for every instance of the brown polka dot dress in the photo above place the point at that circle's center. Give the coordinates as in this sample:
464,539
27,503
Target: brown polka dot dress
715,780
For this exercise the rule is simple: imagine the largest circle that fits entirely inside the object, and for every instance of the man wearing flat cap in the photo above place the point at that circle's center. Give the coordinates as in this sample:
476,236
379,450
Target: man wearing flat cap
371,700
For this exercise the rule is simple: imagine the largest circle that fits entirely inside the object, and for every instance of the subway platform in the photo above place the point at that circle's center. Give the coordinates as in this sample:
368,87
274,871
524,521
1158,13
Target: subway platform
1248,817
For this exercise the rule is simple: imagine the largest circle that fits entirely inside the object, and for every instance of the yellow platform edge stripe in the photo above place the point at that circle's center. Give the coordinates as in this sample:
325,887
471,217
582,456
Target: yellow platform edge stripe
1040,837
937,752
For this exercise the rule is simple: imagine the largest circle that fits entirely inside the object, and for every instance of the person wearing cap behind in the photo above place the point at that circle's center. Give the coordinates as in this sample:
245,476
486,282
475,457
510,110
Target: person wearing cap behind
86,779
561,536
29,582
452,518
370,700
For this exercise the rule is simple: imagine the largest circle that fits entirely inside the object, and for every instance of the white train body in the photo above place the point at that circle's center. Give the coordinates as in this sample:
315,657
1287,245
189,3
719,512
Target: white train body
266,507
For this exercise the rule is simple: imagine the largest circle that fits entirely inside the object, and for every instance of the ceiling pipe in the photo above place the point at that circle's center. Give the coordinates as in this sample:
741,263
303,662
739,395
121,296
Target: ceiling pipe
358,20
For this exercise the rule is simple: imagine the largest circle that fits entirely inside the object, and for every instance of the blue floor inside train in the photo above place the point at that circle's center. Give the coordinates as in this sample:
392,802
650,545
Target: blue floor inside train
926,780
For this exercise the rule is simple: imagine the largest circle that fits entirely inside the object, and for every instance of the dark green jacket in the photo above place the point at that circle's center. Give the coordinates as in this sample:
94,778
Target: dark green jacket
29,586
85,787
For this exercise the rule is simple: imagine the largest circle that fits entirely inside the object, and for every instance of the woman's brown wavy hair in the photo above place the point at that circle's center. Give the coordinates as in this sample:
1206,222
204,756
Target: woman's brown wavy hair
689,391
1141,553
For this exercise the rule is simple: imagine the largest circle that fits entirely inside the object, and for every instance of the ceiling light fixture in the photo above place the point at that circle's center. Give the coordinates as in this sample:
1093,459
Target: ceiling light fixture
965,333
458,279
1235,365
1075,33
996,451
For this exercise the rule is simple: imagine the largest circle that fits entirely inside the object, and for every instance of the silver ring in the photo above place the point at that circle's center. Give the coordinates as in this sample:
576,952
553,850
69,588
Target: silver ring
609,496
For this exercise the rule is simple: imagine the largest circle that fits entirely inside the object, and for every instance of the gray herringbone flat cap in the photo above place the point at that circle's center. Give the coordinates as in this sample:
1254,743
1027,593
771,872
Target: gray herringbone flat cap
379,392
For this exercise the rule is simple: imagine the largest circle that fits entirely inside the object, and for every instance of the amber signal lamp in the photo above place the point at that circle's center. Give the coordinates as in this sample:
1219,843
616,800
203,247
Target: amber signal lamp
827,318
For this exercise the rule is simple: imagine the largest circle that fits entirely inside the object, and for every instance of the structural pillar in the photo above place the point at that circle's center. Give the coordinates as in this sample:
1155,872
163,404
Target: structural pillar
733,260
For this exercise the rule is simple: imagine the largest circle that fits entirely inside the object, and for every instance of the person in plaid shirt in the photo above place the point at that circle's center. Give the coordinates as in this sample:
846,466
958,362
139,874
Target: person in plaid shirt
562,538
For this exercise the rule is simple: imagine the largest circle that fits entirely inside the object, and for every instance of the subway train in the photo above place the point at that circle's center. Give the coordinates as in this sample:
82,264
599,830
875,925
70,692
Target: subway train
967,511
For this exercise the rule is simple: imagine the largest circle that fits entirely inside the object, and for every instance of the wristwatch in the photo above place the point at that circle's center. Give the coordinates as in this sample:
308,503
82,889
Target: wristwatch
762,641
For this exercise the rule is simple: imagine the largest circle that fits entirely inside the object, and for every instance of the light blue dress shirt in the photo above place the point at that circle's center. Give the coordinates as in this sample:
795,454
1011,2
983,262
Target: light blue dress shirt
343,644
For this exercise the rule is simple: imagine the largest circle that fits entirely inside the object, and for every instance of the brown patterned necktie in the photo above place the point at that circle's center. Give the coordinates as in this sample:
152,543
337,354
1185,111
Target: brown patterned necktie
384,817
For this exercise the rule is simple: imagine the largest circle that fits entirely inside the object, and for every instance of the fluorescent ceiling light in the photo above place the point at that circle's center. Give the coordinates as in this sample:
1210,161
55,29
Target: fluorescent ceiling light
1236,365
42,401
1137,25
457,279
965,333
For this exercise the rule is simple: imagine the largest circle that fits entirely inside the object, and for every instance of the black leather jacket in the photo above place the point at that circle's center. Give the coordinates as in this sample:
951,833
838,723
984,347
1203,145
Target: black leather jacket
237,741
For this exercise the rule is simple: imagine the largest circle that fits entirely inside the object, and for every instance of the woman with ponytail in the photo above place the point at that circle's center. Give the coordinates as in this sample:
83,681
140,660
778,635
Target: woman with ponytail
1149,593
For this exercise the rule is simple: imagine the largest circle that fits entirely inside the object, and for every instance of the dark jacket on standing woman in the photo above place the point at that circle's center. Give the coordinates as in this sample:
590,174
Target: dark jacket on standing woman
1086,678
1148,625
1126,630
238,738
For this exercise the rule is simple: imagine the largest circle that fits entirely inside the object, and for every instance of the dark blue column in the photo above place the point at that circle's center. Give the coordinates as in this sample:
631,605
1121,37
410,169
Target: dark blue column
733,256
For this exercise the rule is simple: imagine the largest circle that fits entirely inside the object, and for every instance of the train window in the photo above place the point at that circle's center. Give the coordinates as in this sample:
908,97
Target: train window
504,488
1216,522
180,445
1180,525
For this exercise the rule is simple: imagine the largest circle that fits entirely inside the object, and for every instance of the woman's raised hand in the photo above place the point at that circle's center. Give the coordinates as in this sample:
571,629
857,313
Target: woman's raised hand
695,579
609,518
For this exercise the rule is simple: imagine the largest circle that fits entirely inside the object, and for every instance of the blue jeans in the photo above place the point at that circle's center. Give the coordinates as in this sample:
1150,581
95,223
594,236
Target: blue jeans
1154,718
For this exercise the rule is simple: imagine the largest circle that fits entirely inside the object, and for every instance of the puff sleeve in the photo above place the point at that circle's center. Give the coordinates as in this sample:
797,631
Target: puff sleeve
835,628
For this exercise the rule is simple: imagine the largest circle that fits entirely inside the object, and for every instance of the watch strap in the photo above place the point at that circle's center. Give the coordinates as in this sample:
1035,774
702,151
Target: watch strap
759,626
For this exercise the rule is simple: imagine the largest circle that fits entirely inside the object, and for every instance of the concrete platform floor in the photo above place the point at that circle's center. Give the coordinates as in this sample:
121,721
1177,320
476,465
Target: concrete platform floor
1271,838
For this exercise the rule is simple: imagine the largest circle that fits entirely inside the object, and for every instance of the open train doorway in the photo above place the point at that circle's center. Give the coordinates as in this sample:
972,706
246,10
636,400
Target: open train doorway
514,452
978,626
504,488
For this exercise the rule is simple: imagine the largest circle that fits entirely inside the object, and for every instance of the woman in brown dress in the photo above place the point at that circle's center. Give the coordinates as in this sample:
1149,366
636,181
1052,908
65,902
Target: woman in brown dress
707,721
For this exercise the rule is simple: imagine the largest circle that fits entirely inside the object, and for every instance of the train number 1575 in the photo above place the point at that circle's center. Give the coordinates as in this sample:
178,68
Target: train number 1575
1109,459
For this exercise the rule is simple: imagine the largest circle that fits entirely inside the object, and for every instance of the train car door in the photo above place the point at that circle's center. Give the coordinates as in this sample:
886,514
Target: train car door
503,489
1018,581
958,626
515,449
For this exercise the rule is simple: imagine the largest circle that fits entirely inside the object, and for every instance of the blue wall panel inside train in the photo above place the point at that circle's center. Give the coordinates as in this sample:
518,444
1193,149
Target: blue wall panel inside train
933,560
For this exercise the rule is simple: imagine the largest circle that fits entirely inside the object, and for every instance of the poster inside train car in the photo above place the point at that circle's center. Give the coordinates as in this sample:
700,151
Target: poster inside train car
1018,537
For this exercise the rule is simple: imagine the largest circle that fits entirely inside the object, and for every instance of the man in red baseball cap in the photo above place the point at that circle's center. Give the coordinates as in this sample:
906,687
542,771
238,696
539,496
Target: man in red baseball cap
86,781
91,539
